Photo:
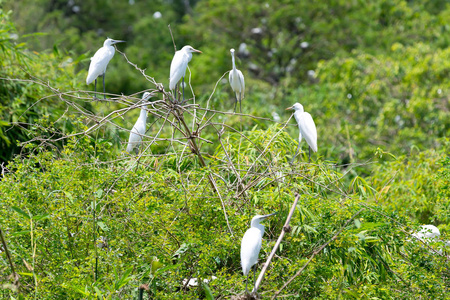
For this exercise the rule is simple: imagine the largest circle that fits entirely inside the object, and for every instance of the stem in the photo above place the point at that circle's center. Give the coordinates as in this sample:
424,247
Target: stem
8,255
277,244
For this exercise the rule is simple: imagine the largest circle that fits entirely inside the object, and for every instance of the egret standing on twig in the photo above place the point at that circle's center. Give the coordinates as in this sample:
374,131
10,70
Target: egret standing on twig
237,83
179,64
139,128
100,61
251,245
307,129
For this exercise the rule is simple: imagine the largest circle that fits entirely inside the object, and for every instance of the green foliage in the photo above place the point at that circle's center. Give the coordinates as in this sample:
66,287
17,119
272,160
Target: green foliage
423,195
157,226
84,220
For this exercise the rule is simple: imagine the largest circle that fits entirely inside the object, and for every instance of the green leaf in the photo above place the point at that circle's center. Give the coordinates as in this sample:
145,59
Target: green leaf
21,232
99,193
208,293
156,264
21,212
69,196
103,226
40,217
124,279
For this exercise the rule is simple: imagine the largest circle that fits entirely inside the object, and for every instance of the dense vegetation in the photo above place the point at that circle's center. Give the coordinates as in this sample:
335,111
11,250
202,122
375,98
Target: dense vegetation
83,219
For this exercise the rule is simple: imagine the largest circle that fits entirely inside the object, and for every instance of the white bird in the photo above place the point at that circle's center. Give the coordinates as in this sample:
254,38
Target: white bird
427,233
237,83
100,61
139,128
193,282
307,128
251,245
179,64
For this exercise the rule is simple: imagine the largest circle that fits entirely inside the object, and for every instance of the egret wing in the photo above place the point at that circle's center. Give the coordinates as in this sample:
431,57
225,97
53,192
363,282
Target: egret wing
177,68
136,135
308,130
99,62
242,82
250,247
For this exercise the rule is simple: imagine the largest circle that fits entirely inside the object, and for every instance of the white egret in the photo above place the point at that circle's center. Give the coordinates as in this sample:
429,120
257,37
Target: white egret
193,282
427,233
100,61
251,245
237,83
179,64
307,128
139,128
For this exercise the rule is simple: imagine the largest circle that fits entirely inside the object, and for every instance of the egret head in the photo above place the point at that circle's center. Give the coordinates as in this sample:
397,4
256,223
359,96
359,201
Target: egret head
110,42
232,50
259,218
146,96
297,107
188,48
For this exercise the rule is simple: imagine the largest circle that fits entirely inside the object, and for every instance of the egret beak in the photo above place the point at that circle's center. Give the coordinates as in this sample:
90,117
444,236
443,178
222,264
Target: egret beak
266,216
290,108
195,50
117,41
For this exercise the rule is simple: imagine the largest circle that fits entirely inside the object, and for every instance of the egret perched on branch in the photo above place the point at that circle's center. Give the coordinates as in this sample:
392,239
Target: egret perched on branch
251,244
100,61
307,129
179,64
138,130
237,83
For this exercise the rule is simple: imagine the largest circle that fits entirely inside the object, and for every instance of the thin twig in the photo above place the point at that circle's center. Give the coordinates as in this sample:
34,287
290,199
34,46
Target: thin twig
8,255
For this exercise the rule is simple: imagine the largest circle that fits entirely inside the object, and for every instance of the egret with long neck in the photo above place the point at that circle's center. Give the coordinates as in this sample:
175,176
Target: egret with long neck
139,127
179,64
251,245
100,61
307,129
237,82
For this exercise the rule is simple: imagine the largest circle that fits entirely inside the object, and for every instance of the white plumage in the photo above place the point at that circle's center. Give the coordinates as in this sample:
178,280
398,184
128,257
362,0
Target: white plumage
139,128
251,244
179,64
100,61
428,232
237,82
306,126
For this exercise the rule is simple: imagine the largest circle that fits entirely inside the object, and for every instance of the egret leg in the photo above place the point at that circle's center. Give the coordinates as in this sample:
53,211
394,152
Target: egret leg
240,103
183,89
246,284
235,102
296,152
254,274
104,95
309,155
95,88
175,94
